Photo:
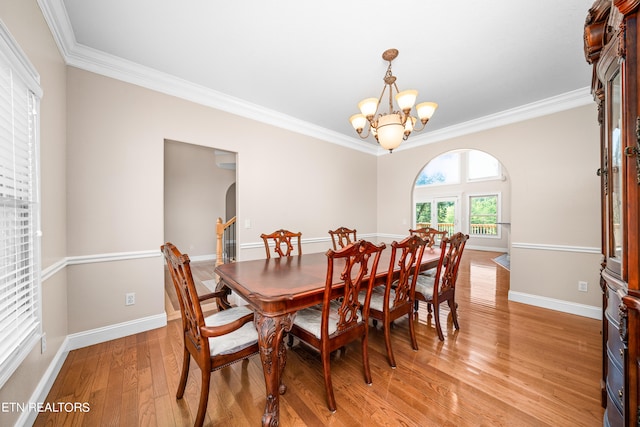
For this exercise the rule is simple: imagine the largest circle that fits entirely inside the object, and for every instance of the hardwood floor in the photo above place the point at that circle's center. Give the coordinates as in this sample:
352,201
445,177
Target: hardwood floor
509,365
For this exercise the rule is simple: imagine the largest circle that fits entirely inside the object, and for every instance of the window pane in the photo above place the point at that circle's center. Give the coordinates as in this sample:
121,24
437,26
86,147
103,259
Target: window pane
444,169
19,208
423,214
483,215
482,165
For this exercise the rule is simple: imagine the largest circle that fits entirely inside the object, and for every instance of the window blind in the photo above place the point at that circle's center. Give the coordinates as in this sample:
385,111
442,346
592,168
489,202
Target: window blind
20,312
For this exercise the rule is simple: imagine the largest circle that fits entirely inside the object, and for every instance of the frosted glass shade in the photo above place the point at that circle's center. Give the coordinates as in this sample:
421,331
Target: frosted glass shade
390,131
368,107
426,110
409,124
358,121
406,99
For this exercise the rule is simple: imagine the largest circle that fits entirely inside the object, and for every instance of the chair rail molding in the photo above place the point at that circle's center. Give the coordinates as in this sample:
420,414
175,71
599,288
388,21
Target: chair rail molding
49,271
557,248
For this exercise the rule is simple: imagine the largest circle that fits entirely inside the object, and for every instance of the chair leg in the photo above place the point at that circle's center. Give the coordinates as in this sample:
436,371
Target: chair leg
186,359
436,315
365,360
204,397
387,341
326,368
412,333
453,306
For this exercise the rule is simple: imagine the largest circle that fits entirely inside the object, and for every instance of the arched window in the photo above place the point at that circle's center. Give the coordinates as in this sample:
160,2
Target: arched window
462,190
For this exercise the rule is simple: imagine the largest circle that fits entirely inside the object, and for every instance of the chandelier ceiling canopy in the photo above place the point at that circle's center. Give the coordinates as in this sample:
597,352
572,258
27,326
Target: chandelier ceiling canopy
395,126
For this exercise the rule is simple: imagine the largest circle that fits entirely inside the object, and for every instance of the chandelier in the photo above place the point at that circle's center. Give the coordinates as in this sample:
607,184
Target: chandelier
391,128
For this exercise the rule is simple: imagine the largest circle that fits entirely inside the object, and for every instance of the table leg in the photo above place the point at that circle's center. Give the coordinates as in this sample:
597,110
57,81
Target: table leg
274,357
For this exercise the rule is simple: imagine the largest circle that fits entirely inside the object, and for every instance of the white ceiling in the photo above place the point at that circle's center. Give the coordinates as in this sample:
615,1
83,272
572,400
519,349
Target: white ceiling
305,66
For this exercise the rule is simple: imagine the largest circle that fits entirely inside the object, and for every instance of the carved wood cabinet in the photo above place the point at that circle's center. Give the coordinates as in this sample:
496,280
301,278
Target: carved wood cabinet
611,46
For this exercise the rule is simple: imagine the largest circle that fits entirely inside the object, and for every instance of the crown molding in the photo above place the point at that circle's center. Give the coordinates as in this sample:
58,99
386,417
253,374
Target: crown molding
554,104
83,57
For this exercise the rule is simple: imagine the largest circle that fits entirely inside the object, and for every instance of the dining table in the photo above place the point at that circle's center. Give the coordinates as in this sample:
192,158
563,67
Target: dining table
276,288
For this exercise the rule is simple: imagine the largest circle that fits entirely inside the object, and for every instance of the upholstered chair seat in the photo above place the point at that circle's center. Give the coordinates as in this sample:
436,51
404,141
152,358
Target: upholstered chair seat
310,318
424,285
234,341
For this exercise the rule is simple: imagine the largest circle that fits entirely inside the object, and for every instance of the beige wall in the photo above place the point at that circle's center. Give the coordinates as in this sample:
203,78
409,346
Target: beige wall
116,187
555,214
195,190
26,24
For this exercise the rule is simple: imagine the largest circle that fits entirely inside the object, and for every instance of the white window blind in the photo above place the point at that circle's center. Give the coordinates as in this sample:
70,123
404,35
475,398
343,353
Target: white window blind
20,312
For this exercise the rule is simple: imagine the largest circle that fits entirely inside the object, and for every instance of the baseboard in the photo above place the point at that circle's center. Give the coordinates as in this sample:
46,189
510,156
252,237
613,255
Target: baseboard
84,339
119,330
27,418
557,305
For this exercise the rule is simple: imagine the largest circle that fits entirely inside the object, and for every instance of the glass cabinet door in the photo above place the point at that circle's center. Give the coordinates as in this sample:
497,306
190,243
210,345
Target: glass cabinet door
615,218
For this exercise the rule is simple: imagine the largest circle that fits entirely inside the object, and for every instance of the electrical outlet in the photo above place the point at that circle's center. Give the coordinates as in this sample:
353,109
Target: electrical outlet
582,286
130,298
43,343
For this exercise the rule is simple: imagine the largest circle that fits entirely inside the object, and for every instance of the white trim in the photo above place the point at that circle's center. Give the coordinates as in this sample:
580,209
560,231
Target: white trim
112,332
46,273
19,61
560,248
311,240
116,256
203,258
43,388
566,101
557,305
485,248
85,339
89,59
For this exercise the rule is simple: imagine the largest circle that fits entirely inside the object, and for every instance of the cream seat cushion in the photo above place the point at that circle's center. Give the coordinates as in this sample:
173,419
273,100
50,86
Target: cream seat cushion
234,341
424,285
310,318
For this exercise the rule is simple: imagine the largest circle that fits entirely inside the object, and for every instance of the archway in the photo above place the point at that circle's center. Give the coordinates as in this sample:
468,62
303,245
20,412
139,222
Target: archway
469,191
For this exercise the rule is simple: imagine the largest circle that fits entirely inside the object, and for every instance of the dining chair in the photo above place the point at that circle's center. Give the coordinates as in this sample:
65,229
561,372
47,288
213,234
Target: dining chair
431,235
396,298
342,236
283,241
215,341
341,318
441,287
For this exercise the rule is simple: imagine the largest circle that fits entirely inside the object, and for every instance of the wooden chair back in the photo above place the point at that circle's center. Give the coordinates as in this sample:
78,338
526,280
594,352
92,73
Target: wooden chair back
433,236
284,242
408,253
442,286
190,308
396,298
447,272
342,237
354,260
214,341
341,318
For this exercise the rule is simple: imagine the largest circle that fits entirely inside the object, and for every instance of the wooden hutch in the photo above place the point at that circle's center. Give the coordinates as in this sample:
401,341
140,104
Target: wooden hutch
611,46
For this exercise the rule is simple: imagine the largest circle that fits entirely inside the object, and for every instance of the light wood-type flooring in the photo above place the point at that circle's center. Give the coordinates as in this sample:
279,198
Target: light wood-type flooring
510,364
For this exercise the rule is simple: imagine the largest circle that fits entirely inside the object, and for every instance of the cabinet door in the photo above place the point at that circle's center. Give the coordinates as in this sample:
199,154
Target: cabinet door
614,198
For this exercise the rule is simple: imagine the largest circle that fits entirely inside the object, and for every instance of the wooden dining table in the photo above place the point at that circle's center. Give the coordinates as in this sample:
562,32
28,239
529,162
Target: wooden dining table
276,289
